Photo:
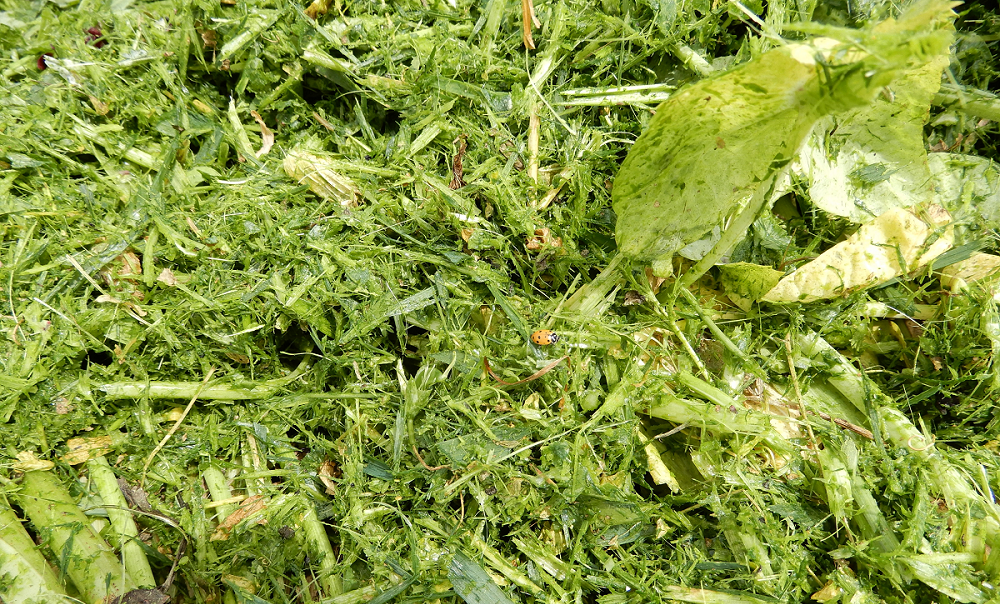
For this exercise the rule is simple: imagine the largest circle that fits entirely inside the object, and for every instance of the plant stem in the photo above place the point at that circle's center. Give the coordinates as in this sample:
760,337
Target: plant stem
969,101
66,531
121,522
32,579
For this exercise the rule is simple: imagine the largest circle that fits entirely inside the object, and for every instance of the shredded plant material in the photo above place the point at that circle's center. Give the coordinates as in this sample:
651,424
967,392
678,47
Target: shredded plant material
473,302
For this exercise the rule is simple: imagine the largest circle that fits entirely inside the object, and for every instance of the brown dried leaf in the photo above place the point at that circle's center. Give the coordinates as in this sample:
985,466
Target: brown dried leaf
239,358
654,281
633,298
143,596
99,106
167,277
135,496
456,163
266,135
209,38
328,470
543,239
317,8
250,507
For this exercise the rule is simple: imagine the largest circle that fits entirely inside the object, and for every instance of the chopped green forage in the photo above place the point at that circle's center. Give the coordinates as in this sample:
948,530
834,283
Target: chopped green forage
480,301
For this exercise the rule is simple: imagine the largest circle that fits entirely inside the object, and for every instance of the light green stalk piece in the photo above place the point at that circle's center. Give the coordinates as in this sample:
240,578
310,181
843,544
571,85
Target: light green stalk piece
66,531
25,575
714,144
322,174
122,524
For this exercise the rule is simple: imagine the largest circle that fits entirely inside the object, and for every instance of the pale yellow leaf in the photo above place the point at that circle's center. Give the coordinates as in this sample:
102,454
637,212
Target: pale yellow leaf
894,244
27,461
83,449
973,268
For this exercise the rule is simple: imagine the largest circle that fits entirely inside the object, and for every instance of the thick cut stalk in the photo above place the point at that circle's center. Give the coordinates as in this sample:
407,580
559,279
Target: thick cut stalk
320,549
121,522
218,487
26,575
969,101
187,390
950,481
65,530
317,543
678,593
593,298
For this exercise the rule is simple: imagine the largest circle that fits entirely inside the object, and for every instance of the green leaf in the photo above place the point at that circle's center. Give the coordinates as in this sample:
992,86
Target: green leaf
665,13
944,573
472,583
872,159
712,145
743,281
893,244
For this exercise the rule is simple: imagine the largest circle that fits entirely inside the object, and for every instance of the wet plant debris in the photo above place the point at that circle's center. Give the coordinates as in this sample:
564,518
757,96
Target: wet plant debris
453,301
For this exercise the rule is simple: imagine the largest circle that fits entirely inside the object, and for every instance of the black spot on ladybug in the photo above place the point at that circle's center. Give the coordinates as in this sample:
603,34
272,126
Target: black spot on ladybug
544,337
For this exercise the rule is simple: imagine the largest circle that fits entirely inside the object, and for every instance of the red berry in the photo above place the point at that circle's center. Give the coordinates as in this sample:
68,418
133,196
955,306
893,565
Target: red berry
95,37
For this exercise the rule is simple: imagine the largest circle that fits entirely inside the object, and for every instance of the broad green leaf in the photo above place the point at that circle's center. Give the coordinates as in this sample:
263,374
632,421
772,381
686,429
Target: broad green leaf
872,158
715,143
665,13
950,574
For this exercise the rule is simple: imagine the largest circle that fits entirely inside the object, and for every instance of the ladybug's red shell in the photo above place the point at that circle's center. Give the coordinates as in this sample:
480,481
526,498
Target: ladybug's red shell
544,337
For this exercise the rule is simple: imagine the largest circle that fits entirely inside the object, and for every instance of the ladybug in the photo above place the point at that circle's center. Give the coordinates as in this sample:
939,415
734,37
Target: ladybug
544,337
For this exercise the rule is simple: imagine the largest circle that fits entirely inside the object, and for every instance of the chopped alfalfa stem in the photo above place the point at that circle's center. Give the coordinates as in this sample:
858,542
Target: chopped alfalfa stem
122,523
321,175
30,576
67,535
